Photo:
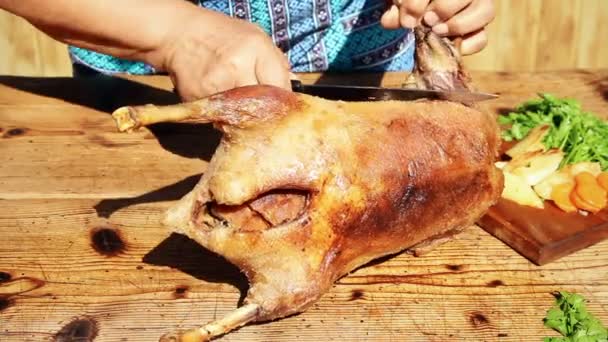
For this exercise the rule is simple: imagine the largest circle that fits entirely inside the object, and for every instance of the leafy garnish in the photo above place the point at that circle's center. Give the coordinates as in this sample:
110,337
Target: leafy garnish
570,318
582,136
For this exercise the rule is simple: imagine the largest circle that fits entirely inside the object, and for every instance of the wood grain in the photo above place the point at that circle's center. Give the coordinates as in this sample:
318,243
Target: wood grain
473,288
531,35
512,38
563,27
82,251
27,51
592,47
544,235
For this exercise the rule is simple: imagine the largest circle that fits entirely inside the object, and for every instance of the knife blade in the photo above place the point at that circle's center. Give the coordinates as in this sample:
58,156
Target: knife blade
368,93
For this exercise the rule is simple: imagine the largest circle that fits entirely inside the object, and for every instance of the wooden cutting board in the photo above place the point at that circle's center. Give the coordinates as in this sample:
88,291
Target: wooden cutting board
543,235
546,235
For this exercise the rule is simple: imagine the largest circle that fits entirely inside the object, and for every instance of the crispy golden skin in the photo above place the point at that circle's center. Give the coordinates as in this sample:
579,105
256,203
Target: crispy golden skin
302,190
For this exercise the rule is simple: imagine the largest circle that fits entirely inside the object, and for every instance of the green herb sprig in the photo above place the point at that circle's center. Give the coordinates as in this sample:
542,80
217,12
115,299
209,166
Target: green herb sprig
570,318
582,136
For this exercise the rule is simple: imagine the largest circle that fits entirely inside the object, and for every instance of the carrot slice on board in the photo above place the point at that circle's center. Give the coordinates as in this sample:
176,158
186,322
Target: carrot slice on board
561,197
582,204
602,179
589,190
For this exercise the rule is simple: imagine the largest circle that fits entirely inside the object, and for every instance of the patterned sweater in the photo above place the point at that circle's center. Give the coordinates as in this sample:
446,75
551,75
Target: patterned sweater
317,35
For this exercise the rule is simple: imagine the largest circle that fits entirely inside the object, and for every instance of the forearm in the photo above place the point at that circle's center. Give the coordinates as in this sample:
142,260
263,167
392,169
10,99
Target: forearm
134,29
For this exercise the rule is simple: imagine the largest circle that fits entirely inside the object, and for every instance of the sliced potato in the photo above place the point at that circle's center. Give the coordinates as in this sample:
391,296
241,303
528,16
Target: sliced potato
500,164
533,167
593,168
545,187
521,160
566,175
519,191
531,142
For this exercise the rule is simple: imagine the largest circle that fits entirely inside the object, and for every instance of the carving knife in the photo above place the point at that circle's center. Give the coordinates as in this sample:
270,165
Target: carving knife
368,93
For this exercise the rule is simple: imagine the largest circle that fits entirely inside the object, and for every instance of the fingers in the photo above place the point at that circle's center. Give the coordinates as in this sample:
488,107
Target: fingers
213,78
216,80
390,18
246,79
269,67
273,70
241,54
411,12
238,66
474,42
463,18
471,19
442,10
404,13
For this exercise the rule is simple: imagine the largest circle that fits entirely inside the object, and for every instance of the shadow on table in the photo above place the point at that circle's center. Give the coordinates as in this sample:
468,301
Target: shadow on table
602,88
100,92
180,252
186,139
106,94
173,192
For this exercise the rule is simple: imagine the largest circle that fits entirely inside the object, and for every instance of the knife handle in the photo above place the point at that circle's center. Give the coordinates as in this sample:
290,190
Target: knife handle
296,85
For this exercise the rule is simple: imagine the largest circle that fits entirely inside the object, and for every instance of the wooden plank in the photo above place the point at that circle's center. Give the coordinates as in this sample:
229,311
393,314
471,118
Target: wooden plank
68,183
84,125
573,36
592,49
512,33
54,56
26,51
76,166
78,152
556,46
17,43
473,288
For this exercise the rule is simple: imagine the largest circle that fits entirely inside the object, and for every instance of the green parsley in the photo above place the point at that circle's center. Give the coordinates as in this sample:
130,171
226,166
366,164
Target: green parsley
570,318
582,136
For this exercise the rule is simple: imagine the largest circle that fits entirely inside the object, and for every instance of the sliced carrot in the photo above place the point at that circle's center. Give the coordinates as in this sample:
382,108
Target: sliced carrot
602,179
589,190
561,197
582,204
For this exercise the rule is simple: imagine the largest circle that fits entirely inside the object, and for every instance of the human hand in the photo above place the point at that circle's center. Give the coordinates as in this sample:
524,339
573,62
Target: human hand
211,52
449,18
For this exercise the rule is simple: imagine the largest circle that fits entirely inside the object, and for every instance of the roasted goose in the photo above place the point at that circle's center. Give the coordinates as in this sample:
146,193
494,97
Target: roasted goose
302,190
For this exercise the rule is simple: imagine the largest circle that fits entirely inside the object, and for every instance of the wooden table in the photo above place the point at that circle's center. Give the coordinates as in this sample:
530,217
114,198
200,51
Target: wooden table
82,252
